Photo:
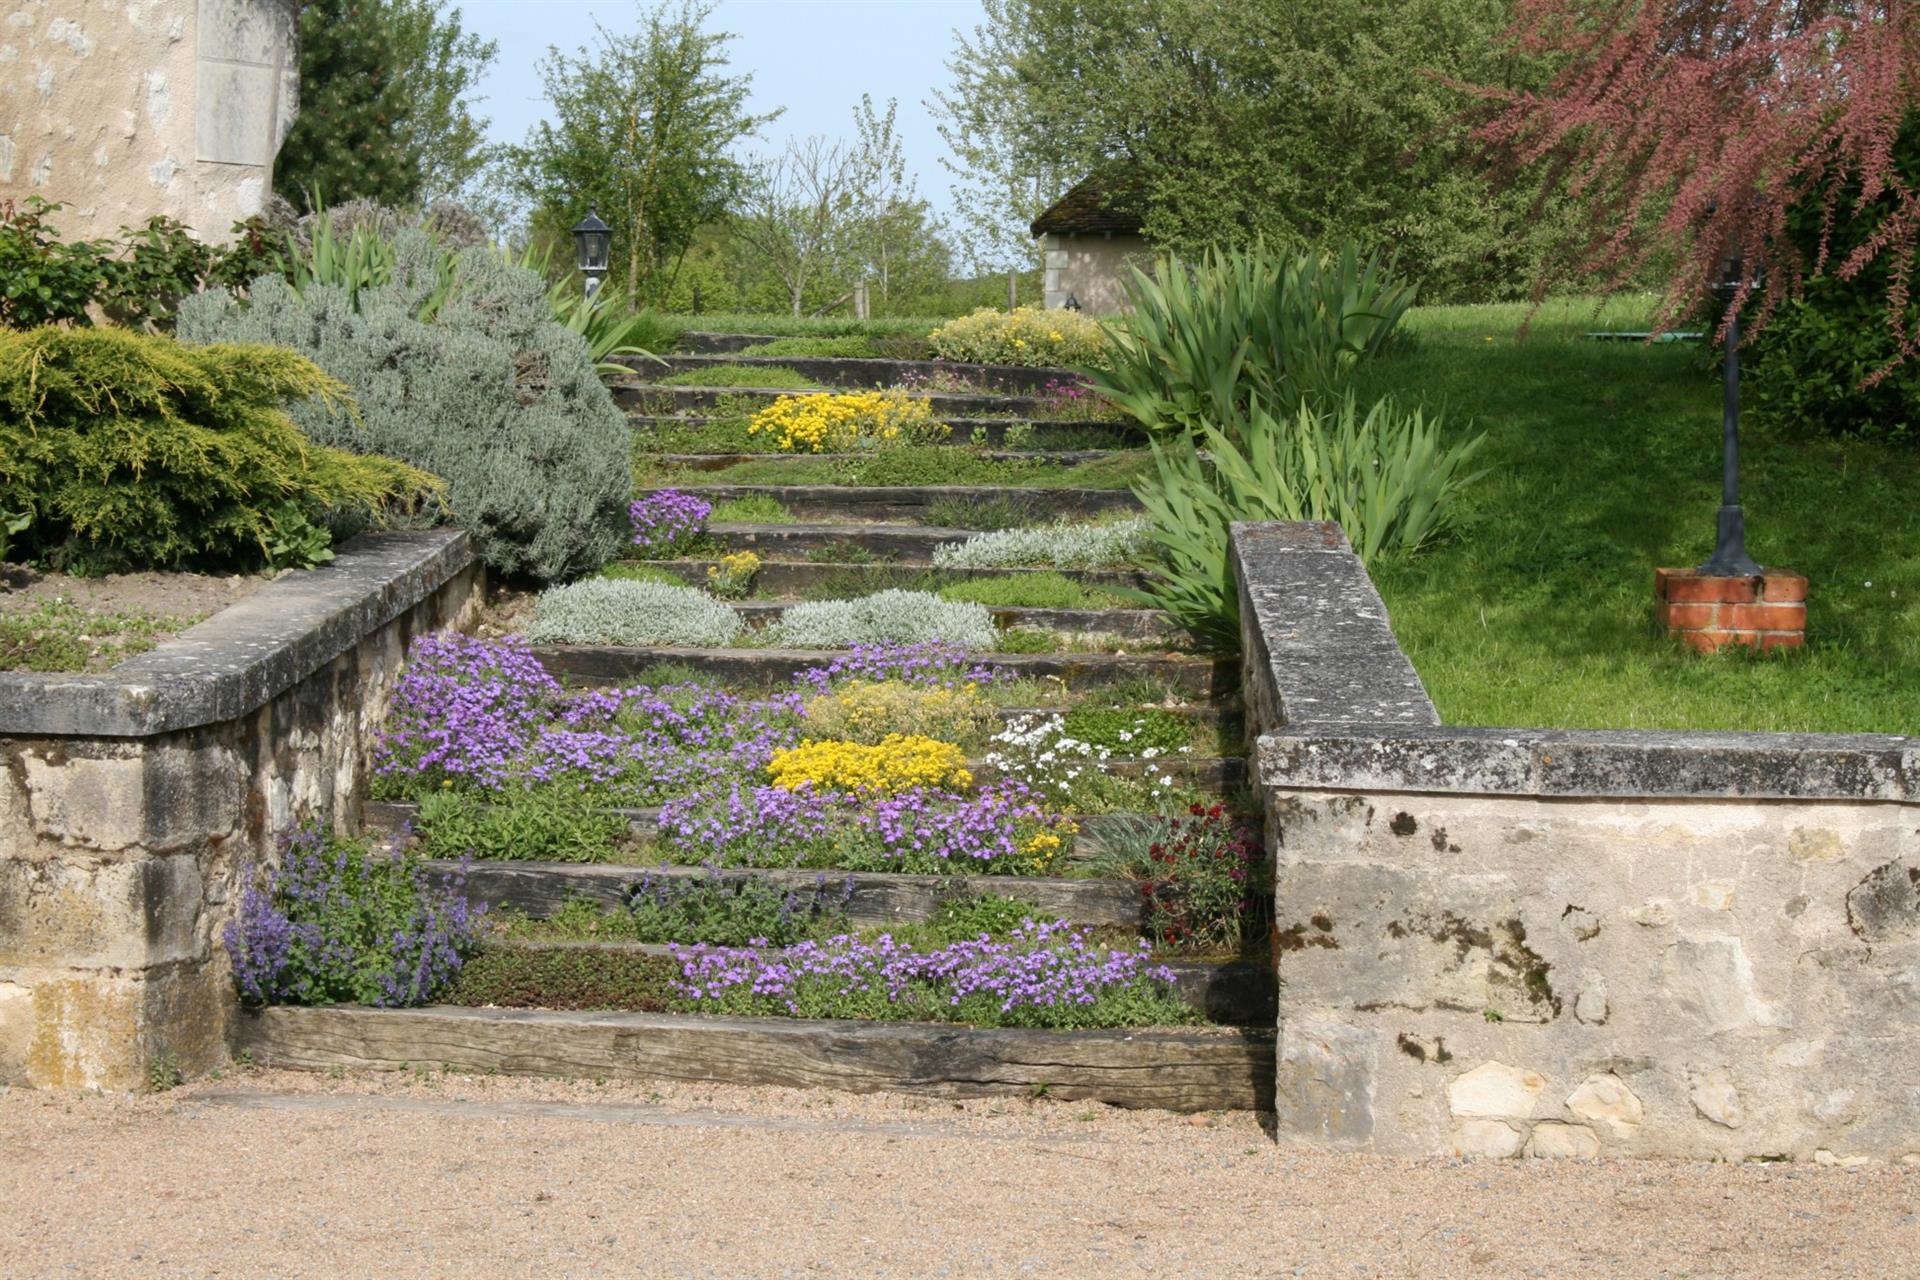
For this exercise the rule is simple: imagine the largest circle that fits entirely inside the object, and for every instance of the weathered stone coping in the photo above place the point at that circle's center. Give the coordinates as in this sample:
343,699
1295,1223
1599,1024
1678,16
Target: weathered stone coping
1340,708
1576,763
1315,641
248,653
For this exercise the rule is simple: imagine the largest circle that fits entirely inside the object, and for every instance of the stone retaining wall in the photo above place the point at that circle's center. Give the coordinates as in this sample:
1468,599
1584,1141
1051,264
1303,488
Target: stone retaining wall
131,803
1505,942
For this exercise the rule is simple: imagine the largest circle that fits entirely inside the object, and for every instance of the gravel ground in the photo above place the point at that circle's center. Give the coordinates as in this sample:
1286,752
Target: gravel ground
287,1175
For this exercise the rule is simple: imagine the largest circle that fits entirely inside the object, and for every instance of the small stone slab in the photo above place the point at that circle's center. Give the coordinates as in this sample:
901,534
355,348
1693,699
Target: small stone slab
609,664
891,502
987,431
855,372
801,578
1217,1070
540,888
897,542
1592,762
722,461
247,654
644,397
1132,624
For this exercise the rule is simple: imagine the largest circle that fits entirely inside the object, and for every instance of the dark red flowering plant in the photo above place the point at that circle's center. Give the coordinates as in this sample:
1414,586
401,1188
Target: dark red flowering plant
1199,887
1686,130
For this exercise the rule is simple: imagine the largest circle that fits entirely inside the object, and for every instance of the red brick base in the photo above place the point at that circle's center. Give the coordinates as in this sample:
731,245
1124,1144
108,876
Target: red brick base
1764,612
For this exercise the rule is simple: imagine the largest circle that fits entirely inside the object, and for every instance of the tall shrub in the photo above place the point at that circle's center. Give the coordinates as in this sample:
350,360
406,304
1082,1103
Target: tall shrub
491,394
1829,362
132,451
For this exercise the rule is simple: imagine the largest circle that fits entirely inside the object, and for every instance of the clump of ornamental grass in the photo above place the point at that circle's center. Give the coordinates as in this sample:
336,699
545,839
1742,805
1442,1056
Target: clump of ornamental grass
886,617
341,922
612,611
1066,545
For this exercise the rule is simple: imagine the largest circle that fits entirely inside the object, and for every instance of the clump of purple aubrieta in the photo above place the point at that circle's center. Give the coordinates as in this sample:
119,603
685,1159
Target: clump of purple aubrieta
933,663
665,521
1043,974
339,922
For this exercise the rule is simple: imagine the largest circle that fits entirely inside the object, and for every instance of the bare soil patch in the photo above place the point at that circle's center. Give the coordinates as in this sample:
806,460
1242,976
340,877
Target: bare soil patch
54,622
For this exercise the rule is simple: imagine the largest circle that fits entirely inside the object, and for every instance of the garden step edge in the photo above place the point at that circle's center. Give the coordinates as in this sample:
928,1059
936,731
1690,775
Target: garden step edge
607,664
1237,993
1176,1070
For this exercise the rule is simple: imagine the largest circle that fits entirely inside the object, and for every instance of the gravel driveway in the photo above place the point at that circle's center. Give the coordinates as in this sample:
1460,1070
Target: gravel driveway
279,1174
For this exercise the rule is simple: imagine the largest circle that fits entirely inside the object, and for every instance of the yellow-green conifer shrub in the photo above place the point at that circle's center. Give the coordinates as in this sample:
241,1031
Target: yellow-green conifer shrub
132,451
1024,336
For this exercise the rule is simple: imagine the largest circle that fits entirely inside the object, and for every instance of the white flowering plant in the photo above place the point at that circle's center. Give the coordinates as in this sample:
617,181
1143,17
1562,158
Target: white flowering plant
1077,776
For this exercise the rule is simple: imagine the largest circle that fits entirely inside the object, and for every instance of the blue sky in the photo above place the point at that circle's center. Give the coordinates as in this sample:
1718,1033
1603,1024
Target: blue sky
813,57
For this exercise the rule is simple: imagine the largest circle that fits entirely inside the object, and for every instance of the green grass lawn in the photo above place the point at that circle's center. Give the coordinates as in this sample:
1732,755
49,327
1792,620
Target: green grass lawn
1603,462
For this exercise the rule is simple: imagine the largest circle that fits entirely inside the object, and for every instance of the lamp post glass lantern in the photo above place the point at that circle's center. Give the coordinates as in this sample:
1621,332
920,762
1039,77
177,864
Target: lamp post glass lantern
592,243
1730,558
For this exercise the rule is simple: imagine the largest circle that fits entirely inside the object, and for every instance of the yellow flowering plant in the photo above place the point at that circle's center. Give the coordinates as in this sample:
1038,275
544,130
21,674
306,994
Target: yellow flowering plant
868,710
847,421
732,577
898,762
1024,336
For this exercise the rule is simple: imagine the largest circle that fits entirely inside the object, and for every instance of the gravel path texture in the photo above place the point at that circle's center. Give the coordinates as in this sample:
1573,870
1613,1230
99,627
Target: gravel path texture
424,1174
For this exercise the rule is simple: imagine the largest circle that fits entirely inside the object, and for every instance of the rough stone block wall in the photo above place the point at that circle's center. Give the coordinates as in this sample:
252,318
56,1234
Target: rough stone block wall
1092,269
124,109
121,856
1504,942
1498,975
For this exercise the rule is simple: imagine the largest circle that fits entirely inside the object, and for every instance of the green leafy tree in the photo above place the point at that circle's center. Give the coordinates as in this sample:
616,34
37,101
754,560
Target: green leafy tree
641,132
1298,124
386,88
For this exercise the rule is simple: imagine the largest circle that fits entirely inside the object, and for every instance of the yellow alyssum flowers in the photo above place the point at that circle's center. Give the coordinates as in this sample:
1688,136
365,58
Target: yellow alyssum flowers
897,762
1026,335
730,578
846,420
868,710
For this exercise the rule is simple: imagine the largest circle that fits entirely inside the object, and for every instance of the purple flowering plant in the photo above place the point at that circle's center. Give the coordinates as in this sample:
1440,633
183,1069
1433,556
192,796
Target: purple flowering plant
667,522
340,922
919,831
1043,974
484,716
932,663
481,722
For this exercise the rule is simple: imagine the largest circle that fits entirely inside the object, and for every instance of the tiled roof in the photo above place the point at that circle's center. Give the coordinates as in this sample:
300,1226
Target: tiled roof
1098,203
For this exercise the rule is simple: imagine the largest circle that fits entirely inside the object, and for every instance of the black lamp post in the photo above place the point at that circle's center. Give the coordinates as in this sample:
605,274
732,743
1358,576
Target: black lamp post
592,242
1730,558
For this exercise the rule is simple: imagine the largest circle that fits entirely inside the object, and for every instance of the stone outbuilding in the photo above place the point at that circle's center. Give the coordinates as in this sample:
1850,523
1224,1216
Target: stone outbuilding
126,110
1090,236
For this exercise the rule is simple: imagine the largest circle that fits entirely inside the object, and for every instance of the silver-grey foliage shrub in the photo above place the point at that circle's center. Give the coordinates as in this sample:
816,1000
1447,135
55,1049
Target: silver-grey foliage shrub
887,617
1067,545
493,396
620,611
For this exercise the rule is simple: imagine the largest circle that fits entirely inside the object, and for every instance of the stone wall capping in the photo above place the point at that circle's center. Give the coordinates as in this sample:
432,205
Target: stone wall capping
1573,763
245,655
